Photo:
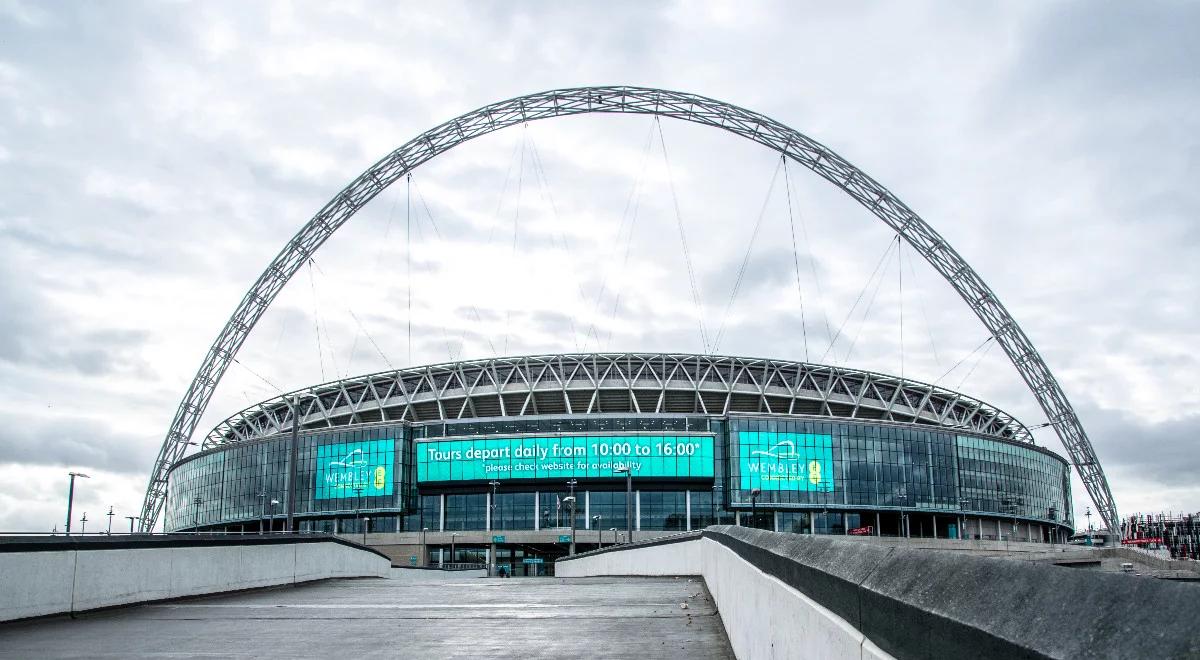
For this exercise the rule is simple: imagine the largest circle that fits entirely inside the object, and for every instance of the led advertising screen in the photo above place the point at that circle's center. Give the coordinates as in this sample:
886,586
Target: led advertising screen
559,457
354,469
785,461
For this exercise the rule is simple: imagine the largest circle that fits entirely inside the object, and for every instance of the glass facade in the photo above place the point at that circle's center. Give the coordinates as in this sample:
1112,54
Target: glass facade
812,475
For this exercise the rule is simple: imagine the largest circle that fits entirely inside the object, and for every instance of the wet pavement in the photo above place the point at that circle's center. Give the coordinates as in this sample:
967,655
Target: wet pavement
558,618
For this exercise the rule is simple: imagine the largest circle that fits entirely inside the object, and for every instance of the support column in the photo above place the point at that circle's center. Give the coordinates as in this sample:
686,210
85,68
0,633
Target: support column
878,532
587,508
537,510
637,512
687,509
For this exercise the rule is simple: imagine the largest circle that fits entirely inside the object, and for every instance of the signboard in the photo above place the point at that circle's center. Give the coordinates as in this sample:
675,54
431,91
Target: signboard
563,457
354,469
862,531
785,461
412,560
499,538
564,538
533,560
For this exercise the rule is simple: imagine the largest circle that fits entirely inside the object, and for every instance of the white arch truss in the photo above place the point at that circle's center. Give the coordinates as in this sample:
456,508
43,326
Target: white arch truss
646,101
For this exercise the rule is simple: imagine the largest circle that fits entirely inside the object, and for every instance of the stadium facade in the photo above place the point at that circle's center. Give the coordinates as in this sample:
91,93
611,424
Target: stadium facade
486,454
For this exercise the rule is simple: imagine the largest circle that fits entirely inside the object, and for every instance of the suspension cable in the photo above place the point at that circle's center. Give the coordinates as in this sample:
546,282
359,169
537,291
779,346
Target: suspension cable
870,304
737,282
312,263
964,359
316,323
539,171
925,316
900,274
408,258
787,184
632,201
687,254
857,300
978,361
437,234
812,264
258,376
516,228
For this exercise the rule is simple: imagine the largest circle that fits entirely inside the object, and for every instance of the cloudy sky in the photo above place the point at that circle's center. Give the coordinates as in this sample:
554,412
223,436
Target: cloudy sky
154,158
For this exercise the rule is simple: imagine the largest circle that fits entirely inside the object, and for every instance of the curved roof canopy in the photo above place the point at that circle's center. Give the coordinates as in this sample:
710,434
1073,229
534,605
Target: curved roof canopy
616,383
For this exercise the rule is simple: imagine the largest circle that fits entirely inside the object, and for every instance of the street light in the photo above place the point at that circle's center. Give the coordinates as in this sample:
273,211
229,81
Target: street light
452,537
571,499
274,503
614,531
131,519
71,496
903,513
754,493
366,525
262,509
625,470
599,532
571,484
110,515
196,511
83,524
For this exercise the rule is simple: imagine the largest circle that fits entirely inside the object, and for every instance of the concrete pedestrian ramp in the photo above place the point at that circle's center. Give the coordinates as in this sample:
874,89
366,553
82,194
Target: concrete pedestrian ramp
406,617
801,596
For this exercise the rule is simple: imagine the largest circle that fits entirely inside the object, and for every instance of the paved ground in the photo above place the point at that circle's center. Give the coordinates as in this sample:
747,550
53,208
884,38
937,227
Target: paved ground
557,618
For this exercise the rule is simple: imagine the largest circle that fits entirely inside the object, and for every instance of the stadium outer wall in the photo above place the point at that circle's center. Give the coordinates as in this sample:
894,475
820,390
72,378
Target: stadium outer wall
478,457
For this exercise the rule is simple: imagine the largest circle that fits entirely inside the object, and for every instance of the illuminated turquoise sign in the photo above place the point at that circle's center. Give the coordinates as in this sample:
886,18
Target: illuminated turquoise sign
785,461
557,457
354,469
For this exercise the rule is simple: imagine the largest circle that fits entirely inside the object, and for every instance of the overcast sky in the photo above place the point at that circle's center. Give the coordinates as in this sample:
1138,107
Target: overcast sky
154,158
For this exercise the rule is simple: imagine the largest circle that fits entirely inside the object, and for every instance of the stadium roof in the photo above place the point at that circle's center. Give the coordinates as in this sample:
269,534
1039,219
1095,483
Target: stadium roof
592,383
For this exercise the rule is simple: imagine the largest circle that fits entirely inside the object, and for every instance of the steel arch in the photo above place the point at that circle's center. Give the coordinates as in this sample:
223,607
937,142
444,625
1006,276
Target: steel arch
634,100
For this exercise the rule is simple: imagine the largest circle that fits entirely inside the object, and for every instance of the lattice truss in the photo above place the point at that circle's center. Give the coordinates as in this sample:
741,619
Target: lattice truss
633,100
616,383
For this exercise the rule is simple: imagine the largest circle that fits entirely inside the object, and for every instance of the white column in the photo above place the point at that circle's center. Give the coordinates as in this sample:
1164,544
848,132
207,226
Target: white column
537,510
442,512
487,515
637,511
587,508
687,509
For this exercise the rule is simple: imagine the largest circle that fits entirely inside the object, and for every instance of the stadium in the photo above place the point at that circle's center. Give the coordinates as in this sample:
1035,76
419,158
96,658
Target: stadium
442,464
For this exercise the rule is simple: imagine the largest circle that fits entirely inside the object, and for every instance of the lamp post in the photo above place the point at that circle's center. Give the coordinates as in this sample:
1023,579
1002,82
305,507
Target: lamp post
754,493
571,484
358,503
713,502
110,515
571,499
964,504
274,503
262,509
196,511
452,537
71,496
366,525
83,524
424,548
1088,513
491,526
131,520
625,470
599,532
614,531
903,513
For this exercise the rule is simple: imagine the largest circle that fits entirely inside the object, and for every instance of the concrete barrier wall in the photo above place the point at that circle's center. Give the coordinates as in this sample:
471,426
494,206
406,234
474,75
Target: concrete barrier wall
789,595
763,617
54,581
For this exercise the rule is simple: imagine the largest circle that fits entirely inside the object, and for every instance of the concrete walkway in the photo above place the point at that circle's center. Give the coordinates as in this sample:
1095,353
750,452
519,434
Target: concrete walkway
380,618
